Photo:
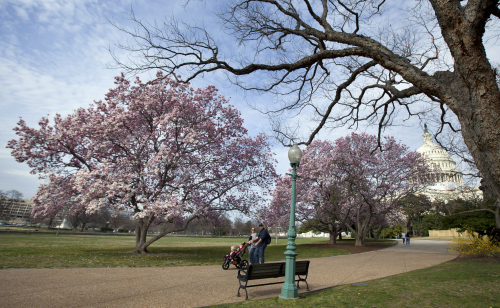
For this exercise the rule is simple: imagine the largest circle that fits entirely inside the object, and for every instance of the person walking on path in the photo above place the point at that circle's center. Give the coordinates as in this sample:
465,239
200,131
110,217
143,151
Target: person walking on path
251,252
408,238
261,244
403,237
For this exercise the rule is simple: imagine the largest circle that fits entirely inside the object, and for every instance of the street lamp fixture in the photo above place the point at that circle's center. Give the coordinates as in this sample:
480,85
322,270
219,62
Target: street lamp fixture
289,289
294,155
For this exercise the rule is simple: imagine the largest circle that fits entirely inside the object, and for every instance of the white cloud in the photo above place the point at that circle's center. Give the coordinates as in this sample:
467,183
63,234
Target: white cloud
18,172
4,153
22,13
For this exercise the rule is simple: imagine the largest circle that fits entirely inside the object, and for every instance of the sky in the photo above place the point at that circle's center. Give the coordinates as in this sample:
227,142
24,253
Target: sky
54,56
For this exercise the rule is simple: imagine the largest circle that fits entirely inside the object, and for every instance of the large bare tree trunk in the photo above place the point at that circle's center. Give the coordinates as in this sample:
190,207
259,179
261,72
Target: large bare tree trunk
472,91
473,94
497,216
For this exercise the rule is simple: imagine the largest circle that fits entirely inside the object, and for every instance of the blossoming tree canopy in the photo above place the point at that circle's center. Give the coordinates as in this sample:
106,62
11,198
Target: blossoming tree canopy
349,183
165,151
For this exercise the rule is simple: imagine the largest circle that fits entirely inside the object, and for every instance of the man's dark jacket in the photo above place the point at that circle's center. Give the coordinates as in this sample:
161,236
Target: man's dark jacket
262,236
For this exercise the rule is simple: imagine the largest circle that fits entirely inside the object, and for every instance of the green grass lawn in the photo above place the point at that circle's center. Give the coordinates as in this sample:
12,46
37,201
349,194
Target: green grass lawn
452,284
34,250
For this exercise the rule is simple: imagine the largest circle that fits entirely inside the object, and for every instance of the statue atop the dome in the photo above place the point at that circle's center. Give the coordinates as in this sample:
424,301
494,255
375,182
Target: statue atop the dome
427,136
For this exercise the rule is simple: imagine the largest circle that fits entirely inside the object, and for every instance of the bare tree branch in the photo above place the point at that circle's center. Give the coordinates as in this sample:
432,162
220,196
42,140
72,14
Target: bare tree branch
339,50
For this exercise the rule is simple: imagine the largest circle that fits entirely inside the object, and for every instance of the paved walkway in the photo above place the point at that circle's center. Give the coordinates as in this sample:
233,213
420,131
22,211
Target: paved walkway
197,286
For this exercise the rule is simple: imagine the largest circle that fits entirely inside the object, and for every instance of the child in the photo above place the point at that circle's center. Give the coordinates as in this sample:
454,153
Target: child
232,254
242,247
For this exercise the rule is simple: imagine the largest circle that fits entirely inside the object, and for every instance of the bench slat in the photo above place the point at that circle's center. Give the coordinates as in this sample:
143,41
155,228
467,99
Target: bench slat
271,270
301,267
263,271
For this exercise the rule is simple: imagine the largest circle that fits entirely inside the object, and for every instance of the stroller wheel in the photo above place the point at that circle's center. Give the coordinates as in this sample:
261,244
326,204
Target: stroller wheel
244,264
225,266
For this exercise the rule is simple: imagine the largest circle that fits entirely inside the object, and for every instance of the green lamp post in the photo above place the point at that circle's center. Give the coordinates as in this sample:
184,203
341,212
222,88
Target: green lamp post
289,289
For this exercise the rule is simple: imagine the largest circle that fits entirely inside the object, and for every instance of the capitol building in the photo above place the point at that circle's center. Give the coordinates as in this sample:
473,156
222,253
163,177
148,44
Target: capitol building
449,181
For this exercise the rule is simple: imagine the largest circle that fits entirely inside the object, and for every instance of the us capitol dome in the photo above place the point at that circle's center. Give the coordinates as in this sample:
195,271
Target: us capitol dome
449,181
440,157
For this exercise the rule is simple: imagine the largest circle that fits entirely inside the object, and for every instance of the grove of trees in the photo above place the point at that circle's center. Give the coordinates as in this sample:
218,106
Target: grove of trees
346,184
347,62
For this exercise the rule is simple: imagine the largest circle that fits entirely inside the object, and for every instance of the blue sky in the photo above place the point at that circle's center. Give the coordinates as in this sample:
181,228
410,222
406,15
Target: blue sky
53,56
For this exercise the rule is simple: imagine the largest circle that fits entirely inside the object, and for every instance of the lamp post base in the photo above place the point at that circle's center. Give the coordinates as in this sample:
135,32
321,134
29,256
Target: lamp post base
289,292
288,298
289,289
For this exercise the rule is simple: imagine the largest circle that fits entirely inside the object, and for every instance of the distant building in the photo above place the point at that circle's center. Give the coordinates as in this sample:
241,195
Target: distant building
440,157
16,210
320,234
449,181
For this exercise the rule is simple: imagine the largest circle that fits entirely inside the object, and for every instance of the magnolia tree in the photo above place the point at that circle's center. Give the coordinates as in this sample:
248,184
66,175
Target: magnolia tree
349,183
163,150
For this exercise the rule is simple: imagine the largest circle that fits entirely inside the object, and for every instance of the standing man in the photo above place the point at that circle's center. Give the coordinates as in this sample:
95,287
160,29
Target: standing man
251,252
403,237
261,244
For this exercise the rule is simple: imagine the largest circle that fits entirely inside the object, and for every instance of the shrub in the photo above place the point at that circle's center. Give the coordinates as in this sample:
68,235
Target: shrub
477,247
388,233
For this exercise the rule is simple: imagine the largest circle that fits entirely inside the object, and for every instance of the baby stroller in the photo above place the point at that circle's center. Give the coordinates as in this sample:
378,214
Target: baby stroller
237,259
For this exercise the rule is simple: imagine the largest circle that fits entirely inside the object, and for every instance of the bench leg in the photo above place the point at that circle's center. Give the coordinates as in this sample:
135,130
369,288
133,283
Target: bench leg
246,293
304,280
307,285
243,287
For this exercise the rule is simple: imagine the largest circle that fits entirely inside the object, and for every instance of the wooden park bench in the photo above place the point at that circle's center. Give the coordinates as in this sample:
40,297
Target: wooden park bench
270,270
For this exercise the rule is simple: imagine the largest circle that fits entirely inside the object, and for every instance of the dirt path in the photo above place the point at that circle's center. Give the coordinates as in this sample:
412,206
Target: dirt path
197,286
352,248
